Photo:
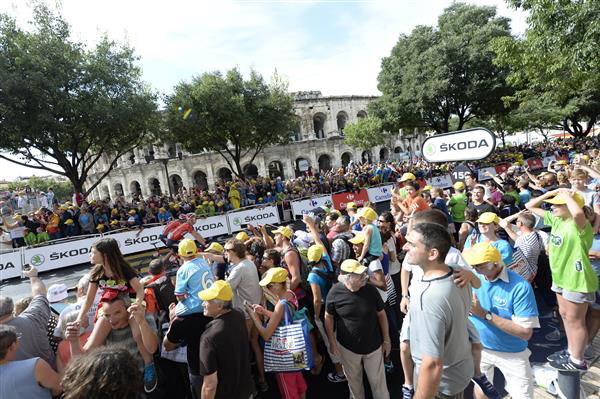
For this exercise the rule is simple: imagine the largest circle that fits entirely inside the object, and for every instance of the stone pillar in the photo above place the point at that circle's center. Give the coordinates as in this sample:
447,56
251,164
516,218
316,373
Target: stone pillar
210,175
260,165
337,161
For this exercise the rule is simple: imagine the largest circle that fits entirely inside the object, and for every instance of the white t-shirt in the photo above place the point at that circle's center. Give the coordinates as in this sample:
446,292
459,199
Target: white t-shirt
394,267
453,258
5,242
373,267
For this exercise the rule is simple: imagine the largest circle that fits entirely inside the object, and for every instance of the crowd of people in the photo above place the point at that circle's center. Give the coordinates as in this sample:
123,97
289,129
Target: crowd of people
453,280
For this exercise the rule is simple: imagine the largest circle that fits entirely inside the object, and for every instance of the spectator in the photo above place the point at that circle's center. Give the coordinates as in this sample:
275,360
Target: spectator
30,378
478,202
413,202
487,232
193,276
457,204
505,313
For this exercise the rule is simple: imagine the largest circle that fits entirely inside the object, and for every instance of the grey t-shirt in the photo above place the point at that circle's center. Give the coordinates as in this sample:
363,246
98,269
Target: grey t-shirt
33,324
438,328
123,337
243,279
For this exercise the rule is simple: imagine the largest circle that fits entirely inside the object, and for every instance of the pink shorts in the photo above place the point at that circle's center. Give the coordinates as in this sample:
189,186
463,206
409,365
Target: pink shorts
291,385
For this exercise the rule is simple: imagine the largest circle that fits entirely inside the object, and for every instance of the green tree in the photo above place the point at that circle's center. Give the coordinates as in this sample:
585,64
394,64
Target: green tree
436,74
556,64
64,106
237,118
366,133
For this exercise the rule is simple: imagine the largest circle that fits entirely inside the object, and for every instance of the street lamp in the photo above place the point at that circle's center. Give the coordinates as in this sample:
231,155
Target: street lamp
409,137
164,161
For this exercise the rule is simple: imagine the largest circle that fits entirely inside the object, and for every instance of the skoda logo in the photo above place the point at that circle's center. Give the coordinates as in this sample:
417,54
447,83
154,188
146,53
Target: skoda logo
237,221
37,260
430,149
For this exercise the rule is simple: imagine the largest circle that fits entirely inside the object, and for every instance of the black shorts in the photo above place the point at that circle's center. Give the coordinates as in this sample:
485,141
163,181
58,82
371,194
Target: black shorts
171,244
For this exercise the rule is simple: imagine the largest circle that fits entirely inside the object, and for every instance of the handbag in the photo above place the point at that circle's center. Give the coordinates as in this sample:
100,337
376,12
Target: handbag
289,347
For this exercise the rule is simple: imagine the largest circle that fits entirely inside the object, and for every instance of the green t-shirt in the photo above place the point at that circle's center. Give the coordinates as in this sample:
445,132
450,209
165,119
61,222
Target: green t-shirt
457,204
516,197
569,255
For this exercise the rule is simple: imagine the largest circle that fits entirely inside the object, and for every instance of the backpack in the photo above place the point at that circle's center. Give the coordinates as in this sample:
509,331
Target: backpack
304,267
345,238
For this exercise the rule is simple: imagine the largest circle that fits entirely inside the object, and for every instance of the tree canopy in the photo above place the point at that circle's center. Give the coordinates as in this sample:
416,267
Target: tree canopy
365,133
439,73
556,64
237,118
64,105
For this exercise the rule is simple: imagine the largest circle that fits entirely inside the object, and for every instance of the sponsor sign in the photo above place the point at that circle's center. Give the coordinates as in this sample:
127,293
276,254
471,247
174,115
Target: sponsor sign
481,176
211,226
56,256
459,173
502,168
302,207
440,181
535,163
10,265
137,241
358,197
254,216
380,194
463,145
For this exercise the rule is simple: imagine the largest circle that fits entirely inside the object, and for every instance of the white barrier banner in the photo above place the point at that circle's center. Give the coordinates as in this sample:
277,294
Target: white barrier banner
211,226
57,256
380,194
440,181
267,214
301,207
10,265
547,160
481,176
138,241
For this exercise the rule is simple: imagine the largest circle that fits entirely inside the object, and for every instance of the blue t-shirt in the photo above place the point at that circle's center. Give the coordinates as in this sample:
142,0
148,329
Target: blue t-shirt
440,204
192,277
505,300
501,245
525,196
314,278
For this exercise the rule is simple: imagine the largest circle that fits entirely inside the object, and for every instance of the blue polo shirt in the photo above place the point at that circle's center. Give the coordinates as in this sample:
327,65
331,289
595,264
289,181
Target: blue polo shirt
505,299
192,277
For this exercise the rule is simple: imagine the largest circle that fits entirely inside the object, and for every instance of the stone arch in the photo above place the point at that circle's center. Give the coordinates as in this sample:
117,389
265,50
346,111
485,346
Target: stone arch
135,188
176,183
324,162
200,180
224,174
319,124
366,156
154,186
105,192
250,171
276,169
342,119
361,114
346,158
171,150
384,154
398,150
118,187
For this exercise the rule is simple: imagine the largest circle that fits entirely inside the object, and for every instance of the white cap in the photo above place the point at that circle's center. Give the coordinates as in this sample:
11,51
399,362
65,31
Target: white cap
57,292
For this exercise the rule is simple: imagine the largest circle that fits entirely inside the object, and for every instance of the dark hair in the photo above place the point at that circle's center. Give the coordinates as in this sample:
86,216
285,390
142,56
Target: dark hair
8,336
508,199
105,372
109,247
431,216
435,236
472,175
256,248
333,216
414,185
275,256
471,213
156,267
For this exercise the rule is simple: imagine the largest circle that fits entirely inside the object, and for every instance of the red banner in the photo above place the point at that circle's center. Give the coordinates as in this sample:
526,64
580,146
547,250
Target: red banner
502,168
359,198
535,163
562,158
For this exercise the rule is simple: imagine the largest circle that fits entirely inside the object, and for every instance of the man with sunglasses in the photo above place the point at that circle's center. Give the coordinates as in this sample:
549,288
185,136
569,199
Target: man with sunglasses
505,313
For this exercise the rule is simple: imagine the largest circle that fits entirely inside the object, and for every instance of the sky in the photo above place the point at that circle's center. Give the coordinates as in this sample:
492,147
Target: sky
333,46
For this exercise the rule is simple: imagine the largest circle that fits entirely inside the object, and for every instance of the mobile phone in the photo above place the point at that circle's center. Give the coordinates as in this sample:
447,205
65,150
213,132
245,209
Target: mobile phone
26,267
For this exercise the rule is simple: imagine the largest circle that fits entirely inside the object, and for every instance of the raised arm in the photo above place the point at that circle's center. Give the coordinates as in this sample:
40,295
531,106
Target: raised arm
37,286
534,204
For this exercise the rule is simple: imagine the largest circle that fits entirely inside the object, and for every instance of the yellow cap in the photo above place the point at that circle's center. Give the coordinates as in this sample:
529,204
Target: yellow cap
114,222
562,162
359,238
220,203
407,176
351,205
352,266
220,289
69,221
100,226
367,213
187,247
488,217
162,209
426,188
215,246
274,275
132,212
315,252
199,207
211,203
64,208
242,236
482,252
585,157
205,203
115,211
560,199
284,231
459,185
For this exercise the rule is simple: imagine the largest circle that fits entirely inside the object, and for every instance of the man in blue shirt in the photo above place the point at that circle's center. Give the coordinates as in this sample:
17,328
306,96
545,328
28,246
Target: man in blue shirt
193,276
505,313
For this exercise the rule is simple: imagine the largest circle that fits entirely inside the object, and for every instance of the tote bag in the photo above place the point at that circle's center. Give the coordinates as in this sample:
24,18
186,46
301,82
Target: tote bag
289,348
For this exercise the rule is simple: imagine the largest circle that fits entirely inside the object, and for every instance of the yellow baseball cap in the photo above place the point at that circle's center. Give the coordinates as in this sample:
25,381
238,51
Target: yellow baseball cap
314,253
488,217
426,188
351,205
562,162
220,289
352,266
274,275
482,252
459,185
560,199
69,221
187,247
242,236
162,209
284,231
407,176
359,238
215,246
114,222
132,212
367,213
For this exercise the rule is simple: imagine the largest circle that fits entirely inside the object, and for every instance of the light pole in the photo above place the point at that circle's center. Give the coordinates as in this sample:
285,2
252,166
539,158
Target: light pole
165,161
409,137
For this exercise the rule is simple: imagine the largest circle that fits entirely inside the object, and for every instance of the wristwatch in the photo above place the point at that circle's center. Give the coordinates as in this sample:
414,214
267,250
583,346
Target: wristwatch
488,316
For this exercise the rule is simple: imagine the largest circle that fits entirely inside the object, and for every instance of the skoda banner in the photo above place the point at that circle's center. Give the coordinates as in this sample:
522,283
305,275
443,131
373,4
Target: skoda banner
463,145
52,257
380,194
136,241
254,216
10,264
301,207
211,226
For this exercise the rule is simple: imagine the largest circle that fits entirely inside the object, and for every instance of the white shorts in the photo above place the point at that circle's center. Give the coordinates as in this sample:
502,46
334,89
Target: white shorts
516,370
